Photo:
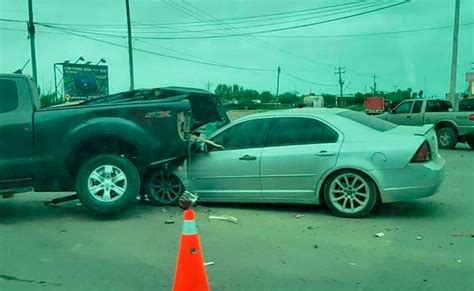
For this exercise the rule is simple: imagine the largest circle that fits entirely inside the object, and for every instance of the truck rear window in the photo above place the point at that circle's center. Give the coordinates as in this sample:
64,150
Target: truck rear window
8,96
369,121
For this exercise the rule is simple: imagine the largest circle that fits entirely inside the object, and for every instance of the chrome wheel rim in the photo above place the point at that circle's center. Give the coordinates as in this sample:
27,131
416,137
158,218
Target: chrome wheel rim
349,193
165,187
107,183
444,138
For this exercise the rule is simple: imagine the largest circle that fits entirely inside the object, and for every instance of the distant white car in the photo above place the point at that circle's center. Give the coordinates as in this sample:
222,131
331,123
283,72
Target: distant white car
342,158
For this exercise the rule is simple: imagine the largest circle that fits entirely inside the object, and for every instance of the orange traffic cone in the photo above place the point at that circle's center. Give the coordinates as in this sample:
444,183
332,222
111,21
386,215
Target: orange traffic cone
190,272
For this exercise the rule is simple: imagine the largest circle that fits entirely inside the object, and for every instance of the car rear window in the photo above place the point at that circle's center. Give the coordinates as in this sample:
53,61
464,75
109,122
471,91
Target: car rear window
369,121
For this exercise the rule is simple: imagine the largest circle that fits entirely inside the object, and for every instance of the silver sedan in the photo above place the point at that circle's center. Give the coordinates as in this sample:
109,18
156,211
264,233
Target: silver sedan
344,159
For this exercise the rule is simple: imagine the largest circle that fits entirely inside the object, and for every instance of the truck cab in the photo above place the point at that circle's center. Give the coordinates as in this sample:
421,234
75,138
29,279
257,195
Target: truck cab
16,130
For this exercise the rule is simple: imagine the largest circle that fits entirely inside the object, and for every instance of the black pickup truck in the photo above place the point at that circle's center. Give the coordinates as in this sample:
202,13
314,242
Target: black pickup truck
102,148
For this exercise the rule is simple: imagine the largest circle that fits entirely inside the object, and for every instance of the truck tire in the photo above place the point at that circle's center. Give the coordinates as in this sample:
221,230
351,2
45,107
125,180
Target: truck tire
470,142
447,138
163,188
108,184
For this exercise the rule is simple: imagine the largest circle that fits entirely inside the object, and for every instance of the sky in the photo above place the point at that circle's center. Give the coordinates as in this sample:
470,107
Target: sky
307,55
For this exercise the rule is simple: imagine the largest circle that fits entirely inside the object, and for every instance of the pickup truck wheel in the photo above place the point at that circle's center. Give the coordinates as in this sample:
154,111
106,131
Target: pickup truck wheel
447,138
350,194
163,188
107,184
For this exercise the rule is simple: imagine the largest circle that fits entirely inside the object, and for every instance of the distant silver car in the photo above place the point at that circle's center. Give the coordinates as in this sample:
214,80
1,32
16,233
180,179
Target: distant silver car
342,158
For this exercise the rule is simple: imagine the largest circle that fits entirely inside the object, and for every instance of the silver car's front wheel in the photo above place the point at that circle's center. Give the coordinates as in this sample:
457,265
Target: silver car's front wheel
164,188
350,194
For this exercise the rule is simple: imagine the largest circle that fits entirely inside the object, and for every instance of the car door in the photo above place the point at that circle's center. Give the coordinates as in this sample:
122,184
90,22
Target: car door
16,133
402,113
297,152
233,172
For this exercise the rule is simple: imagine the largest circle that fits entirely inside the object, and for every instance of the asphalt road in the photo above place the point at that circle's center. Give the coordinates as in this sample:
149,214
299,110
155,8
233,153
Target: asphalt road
67,248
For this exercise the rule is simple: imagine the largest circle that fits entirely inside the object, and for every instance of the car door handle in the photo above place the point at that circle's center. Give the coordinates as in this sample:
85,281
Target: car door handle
248,158
324,153
408,116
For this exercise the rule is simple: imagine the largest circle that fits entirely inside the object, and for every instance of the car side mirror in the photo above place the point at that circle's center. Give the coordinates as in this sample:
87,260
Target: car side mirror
392,111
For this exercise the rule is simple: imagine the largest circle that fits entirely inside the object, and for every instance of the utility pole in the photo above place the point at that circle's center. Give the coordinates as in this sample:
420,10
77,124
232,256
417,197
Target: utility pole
31,36
424,87
208,86
454,59
278,82
374,88
340,71
130,49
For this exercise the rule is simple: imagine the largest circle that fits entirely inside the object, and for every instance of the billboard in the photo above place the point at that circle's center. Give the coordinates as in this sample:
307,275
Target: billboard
85,81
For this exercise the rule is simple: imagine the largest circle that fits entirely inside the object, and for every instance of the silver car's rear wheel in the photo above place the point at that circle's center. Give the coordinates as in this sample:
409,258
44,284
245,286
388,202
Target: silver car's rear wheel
350,194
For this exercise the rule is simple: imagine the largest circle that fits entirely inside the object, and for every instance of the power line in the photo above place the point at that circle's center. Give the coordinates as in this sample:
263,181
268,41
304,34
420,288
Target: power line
288,27
37,32
164,55
246,19
365,34
253,40
306,81
245,33
313,16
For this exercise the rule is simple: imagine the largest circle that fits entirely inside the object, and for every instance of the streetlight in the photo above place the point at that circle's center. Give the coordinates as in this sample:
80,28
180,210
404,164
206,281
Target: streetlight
79,59
102,60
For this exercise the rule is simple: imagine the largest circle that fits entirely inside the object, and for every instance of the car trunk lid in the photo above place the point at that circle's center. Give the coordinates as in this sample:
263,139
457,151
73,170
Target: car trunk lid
427,131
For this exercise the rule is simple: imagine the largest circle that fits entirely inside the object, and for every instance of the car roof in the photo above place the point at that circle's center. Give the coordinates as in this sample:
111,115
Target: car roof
185,89
296,111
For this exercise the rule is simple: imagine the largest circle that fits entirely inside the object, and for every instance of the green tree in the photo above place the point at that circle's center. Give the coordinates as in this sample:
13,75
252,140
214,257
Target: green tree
223,92
266,96
287,98
420,94
359,98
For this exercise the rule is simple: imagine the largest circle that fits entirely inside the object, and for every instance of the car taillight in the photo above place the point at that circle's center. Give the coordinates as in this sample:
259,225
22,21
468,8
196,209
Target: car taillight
471,117
423,154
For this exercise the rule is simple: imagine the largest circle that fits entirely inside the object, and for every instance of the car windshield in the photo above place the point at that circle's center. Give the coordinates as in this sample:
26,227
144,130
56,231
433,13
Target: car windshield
369,121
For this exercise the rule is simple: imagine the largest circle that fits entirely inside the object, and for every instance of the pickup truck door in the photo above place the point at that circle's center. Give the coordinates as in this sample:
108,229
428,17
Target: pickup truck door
402,113
16,132
417,116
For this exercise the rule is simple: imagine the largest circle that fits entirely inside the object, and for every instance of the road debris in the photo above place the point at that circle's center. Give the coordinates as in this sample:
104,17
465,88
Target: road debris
459,261
315,246
169,221
464,234
379,234
209,264
419,237
353,264
224,217
298,215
